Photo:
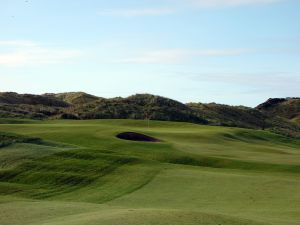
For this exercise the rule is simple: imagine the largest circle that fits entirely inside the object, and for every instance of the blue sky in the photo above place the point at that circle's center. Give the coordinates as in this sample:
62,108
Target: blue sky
237,52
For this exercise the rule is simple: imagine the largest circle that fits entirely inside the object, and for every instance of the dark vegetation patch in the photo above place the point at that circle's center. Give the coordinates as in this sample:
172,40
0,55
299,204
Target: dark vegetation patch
8,139
132,136
11,138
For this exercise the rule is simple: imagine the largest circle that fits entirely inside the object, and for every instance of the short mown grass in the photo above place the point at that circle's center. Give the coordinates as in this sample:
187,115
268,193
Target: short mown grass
78,172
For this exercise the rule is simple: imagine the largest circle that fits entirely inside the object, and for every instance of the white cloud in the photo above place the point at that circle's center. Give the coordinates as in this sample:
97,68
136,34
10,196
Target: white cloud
136,12
176,56
228,3
27,53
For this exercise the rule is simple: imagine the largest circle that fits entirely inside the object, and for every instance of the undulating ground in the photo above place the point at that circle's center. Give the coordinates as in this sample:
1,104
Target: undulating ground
79,173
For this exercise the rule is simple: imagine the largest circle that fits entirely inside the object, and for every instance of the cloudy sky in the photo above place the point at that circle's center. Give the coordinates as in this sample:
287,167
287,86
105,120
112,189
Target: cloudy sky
226,51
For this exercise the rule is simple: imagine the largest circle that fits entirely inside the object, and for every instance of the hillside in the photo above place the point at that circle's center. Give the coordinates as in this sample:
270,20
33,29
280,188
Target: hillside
74,98
276,115
234,116
28,99
13,105
79,105
140,106
80,173
288,108
245,117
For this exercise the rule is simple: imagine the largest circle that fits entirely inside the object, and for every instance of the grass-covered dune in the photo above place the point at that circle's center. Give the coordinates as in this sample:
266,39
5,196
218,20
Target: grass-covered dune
79,172
277,115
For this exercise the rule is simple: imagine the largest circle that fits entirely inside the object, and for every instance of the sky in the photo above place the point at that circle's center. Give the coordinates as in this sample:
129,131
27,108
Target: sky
237,52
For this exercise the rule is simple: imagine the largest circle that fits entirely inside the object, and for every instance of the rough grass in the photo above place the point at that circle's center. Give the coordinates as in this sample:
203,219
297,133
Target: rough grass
80,173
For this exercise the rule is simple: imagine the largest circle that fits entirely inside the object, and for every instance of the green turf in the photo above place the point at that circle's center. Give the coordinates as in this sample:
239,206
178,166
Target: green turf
80,173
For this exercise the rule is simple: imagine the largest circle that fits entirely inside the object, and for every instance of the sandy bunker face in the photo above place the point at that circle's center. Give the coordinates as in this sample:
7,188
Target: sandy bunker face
132,136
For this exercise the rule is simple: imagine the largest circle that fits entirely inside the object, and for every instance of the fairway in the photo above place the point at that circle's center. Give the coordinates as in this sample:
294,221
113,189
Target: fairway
80,173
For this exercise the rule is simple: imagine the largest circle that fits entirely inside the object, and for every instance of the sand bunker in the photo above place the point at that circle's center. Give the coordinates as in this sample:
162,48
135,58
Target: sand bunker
132,136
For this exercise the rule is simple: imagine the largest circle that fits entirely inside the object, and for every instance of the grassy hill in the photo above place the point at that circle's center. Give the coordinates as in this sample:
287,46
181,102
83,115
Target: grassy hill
232,116
79,105
28,99
280,116
288,108
245,117
81,173
74,98
13,105
140,106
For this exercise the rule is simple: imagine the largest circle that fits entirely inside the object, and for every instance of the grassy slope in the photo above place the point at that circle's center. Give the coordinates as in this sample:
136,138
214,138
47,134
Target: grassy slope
198,175
287,108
